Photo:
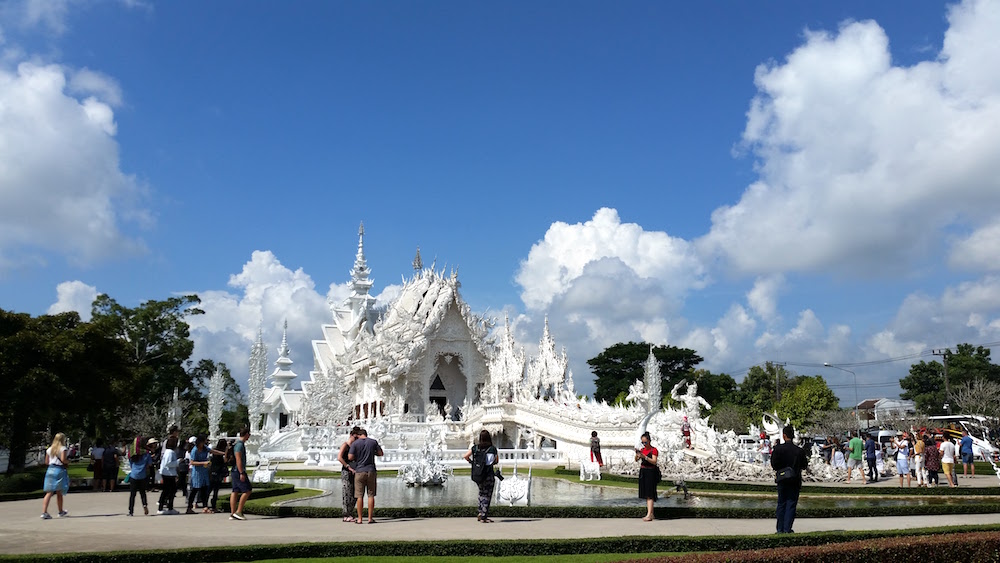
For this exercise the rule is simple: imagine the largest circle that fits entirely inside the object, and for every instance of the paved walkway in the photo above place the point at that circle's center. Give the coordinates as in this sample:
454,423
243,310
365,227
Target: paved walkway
98,522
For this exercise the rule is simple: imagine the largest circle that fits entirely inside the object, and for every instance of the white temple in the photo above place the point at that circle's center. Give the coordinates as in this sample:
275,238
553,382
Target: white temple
426,365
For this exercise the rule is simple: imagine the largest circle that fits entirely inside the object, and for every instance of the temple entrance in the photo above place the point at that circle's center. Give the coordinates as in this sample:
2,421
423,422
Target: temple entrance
448,384
440,402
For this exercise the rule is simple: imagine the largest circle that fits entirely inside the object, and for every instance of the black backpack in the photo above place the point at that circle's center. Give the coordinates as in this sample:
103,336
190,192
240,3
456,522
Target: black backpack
479,468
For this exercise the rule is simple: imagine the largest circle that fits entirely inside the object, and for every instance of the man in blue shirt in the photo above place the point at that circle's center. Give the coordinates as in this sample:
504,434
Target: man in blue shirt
965,448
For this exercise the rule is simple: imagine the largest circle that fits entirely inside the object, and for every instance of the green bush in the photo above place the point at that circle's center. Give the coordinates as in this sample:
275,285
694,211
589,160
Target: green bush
22,482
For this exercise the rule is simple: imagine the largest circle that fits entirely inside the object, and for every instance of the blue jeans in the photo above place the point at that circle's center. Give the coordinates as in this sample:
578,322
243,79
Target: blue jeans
788,500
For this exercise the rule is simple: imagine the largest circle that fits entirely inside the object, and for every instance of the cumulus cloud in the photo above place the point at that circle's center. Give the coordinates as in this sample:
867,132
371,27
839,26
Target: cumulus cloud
863,163
60,179
763,297
978,251
559,261
264,294
74,296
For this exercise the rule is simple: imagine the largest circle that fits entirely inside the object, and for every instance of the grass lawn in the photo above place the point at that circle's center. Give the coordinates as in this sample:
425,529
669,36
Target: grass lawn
583,558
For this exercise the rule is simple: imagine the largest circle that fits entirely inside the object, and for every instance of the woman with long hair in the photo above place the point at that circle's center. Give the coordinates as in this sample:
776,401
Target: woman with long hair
649,475
56,476
485,449
200,462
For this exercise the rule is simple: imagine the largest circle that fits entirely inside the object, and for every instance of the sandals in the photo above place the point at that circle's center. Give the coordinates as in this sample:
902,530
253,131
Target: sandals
348,519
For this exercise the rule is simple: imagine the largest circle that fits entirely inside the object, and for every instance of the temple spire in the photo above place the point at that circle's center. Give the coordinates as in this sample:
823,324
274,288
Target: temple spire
418,264
360,301
283,374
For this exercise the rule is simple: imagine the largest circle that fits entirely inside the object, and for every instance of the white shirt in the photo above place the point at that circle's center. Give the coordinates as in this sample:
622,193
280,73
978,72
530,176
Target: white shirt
55,458
168,463
947,452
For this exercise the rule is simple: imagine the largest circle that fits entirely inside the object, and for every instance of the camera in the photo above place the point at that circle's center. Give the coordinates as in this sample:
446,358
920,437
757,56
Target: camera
498,474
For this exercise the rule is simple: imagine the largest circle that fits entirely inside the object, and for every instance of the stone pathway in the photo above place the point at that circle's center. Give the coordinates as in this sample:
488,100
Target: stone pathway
98,522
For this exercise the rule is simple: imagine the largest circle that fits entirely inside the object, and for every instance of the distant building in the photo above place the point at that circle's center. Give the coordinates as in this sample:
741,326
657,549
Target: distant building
877,410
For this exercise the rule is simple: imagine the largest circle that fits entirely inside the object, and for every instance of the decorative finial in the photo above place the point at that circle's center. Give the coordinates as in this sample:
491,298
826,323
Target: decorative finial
361,229
418,264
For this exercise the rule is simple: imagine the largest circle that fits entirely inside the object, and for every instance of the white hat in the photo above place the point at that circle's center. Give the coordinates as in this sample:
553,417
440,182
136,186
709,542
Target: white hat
192,439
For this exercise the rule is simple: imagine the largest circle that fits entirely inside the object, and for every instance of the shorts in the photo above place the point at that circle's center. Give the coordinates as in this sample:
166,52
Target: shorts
239,485
365,480
947,468
852,463
967,457
903,465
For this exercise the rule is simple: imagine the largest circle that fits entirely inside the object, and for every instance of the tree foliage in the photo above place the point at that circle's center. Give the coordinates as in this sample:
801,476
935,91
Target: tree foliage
620,365
807,398
925,384
158,341
57,372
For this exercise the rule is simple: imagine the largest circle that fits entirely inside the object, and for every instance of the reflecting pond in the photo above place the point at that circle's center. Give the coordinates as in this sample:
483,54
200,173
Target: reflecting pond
461,491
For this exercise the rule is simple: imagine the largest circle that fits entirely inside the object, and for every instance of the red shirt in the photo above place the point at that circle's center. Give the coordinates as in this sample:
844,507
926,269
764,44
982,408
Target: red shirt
648,451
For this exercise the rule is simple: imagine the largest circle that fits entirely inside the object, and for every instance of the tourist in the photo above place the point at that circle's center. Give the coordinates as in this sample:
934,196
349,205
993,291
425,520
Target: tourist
97,464
595,449
839,461
109,466
932,461
168,471
947,449
826,449
856,447
965,450
184,466
347,475
870,458
788,460
153,447
241,483
880,461
765,449
649,473
918,461
139,464
490,458
362,452
217,471
199,475
56,476
903,459
686,433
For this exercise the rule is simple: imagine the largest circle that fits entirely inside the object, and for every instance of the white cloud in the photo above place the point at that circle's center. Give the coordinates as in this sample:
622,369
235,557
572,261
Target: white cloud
862,163
763,297
978,251
265,293
100,85
74,296
60,181
51,14
557,262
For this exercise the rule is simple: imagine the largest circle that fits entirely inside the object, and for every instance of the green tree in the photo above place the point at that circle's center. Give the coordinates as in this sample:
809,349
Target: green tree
925,384
758,392
620,365
58,374
809,396
157,337
727,416
716,388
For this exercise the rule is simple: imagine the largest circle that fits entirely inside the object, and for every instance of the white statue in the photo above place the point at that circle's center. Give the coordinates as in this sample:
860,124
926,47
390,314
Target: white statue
692,402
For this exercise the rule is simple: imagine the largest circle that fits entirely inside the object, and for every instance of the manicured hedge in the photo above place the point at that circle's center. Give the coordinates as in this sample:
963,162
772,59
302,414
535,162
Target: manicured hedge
500,548
859,490
978,546
22,482
663,513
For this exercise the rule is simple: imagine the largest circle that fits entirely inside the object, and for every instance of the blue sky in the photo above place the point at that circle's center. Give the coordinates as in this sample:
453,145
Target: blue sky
789,181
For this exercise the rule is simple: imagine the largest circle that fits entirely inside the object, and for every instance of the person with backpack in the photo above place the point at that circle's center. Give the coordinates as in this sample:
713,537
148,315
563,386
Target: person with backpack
788,461
139,464
484,457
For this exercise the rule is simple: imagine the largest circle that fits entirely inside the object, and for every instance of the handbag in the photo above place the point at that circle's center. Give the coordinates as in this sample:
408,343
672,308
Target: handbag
784,474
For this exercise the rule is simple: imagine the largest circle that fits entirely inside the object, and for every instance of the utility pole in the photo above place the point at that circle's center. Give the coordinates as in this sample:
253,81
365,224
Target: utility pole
777,380
944,353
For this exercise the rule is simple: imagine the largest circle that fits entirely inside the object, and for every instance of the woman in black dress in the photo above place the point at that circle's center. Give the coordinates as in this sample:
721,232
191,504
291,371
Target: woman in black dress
649,475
